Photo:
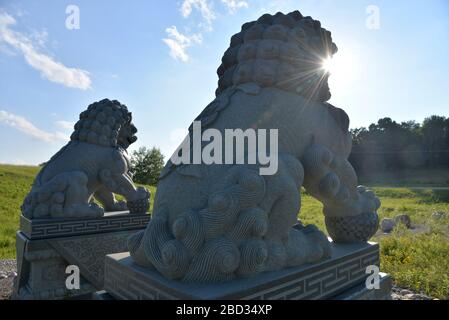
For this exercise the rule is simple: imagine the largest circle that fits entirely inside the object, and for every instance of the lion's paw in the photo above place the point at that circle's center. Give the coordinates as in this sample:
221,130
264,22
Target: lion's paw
120,206
368,200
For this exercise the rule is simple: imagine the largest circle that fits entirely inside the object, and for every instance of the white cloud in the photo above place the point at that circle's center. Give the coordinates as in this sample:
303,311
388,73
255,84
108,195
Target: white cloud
25,126
66,125
234,5
178,43
203,6
39,38
49,68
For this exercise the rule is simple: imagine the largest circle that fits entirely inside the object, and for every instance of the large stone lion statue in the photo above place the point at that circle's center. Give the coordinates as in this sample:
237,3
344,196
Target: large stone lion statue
93,164
216,222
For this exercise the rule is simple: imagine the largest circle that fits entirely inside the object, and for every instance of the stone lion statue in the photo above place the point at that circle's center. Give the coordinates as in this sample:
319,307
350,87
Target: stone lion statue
93,164
217,222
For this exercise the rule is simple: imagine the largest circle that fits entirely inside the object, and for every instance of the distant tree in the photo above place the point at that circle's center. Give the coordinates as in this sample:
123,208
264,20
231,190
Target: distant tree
435,133
388,145
146,165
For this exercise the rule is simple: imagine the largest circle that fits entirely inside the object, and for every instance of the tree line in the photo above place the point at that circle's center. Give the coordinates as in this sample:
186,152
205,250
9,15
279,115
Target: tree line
389,145
383,146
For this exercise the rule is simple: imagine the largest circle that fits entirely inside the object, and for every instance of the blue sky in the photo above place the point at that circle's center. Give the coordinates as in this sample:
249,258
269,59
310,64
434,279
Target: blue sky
160,59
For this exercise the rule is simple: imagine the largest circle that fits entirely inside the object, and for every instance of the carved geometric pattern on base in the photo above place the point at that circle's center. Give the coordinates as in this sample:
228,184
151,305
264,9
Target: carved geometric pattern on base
52,228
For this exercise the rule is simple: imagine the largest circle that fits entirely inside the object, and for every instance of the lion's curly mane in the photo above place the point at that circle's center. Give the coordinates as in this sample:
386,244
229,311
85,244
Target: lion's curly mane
101,123
284,51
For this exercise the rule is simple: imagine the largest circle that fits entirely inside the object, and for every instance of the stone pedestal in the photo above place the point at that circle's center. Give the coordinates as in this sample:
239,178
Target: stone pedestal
45,247
343,272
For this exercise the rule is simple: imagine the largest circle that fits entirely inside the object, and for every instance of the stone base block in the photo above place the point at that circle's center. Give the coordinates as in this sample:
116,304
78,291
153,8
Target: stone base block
46,247
346,269
359,292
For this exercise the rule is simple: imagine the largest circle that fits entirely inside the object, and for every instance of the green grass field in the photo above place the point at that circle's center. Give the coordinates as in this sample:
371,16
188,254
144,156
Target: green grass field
417,259
15,182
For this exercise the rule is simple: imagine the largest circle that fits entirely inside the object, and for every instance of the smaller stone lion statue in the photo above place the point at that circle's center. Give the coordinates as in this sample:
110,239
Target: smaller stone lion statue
93,164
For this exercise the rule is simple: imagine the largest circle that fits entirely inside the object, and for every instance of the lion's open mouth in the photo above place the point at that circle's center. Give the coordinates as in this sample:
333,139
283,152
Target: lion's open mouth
131,139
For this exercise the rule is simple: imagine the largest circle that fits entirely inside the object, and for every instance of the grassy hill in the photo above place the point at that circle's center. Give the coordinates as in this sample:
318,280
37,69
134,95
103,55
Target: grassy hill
417,259
15,182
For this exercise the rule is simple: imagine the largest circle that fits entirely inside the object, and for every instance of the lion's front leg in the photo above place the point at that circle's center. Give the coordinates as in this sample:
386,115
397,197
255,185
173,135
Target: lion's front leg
137,199
289,243
107,199
350,211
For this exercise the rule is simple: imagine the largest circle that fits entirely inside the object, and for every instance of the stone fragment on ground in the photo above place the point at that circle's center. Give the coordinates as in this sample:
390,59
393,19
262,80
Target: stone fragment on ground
8,273
405,294
403,219
438,215
387,225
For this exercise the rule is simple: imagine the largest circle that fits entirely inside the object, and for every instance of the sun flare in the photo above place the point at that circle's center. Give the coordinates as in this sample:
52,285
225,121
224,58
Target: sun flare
343,69
328,65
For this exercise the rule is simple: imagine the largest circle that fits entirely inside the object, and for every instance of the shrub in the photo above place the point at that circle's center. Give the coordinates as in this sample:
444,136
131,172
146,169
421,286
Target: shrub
146,165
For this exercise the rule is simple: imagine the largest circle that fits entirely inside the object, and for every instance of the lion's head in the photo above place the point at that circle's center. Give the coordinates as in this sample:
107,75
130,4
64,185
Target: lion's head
285,51
106,123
